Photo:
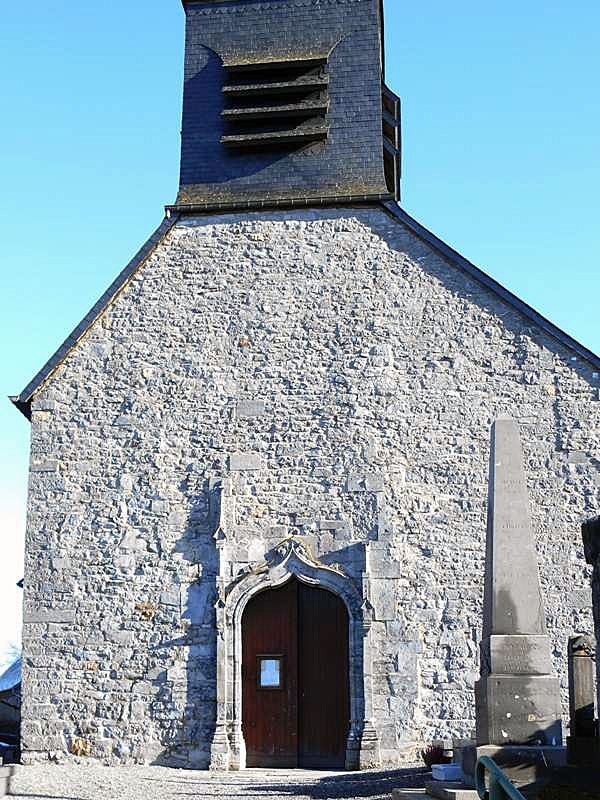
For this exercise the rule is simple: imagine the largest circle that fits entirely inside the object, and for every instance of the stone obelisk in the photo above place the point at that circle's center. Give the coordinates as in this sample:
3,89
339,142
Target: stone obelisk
517,699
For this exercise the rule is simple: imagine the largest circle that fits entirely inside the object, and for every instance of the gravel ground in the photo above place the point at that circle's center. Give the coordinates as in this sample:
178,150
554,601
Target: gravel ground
93,782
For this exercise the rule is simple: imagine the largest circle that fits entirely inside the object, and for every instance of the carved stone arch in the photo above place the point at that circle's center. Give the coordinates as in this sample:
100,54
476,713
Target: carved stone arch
291,559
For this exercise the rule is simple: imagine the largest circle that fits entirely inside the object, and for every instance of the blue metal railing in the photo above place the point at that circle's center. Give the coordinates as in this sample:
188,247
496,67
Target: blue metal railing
500,788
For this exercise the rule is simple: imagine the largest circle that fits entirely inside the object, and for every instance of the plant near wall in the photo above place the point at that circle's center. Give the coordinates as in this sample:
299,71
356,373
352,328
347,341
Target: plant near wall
147,611
434,754
81,747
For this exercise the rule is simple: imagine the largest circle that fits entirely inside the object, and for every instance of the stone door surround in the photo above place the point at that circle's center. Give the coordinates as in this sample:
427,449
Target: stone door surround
291,558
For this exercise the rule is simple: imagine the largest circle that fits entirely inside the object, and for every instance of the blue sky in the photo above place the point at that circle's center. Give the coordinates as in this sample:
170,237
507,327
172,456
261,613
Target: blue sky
501,126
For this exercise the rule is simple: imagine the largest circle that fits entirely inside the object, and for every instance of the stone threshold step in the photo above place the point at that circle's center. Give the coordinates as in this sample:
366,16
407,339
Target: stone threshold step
443,791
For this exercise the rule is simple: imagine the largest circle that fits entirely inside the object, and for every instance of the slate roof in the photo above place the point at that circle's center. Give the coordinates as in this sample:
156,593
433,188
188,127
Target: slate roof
185,3
23,400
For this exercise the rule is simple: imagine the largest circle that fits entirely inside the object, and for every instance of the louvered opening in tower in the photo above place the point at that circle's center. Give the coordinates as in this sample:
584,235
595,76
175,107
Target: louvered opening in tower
275,104
392,140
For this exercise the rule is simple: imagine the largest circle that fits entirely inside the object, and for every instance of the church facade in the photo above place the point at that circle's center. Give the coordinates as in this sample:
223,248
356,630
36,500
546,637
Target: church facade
256,520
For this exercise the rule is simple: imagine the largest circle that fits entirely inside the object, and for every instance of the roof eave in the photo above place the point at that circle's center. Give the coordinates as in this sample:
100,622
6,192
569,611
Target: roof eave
486,280
23,400
23,406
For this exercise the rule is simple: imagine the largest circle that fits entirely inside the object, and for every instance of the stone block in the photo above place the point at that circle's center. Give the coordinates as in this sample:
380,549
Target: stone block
122,637
374,483
331,524
170,597
242,462
450,790
256,550
44,466
383,599
123,421
46,615
577,457
177,673
125,562
6,774
177,518
250,408
355,483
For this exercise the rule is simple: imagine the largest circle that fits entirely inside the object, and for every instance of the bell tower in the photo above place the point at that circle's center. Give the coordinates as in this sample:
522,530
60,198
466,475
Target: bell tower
285,104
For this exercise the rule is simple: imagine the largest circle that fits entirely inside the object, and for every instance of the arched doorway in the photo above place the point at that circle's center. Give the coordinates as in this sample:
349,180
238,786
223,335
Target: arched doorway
295,682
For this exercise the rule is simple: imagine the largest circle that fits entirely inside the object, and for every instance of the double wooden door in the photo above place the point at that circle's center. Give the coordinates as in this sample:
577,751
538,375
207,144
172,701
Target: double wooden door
295,696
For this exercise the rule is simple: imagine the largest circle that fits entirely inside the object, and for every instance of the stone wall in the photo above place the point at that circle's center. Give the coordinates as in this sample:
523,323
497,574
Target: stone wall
337,378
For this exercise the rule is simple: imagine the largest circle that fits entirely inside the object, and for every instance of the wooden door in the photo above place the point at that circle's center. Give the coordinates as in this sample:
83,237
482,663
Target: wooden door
295,694
269,712
323,702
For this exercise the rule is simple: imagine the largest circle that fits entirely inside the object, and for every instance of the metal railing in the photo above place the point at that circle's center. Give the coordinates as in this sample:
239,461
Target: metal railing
500,788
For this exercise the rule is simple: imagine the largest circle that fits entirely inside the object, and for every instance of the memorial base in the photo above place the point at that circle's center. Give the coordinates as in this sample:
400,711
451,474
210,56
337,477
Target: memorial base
518,709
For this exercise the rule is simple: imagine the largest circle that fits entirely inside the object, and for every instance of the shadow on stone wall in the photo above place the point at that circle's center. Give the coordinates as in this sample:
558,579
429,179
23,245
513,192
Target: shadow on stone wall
190,688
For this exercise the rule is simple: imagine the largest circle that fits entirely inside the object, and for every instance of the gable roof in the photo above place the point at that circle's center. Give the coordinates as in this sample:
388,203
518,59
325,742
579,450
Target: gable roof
23,400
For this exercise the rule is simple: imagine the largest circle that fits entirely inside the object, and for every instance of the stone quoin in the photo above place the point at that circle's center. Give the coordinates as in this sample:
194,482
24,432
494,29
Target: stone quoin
292,381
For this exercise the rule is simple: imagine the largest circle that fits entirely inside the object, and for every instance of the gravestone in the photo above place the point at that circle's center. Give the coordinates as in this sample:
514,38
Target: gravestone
590,531
517,699
583,745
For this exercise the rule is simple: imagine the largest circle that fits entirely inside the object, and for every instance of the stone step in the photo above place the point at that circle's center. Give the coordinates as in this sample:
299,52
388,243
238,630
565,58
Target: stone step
410,794
451,790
